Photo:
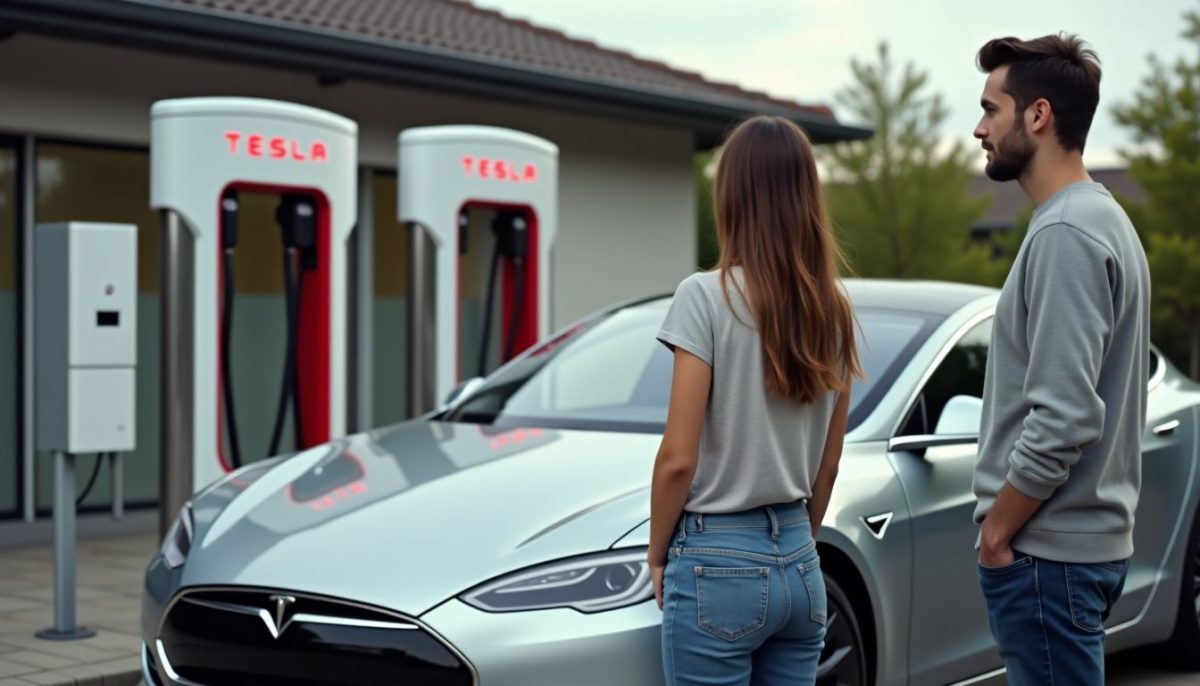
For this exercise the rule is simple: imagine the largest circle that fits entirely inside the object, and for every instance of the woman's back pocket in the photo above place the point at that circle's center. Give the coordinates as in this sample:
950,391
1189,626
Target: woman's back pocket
731,601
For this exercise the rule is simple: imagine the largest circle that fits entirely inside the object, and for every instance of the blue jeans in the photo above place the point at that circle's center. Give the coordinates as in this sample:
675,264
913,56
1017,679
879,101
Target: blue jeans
1048,618
744,599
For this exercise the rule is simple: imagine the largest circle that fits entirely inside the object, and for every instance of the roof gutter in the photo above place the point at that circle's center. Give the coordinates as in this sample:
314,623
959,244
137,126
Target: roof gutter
151,25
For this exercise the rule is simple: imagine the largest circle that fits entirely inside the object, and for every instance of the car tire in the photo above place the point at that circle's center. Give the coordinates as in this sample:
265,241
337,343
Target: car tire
1183,648
844,657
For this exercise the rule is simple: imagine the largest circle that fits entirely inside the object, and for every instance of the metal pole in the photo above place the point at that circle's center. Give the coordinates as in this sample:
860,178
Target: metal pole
27,177
64,554
64,542
118,485
175,474
422,372
364,302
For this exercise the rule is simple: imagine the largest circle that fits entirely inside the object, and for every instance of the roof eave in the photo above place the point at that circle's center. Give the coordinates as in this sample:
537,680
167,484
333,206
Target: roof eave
134,23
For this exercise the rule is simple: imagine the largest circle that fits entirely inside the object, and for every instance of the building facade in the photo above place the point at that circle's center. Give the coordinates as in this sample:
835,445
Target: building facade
78,77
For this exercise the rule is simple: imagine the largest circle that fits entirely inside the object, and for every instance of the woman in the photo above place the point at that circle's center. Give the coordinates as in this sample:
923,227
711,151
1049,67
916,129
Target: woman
764,355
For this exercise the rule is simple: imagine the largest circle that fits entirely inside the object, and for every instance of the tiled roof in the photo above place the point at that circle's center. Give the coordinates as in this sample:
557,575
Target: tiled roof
459,29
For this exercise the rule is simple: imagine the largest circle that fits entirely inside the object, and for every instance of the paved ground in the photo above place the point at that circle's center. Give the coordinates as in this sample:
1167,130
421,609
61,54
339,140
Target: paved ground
109,586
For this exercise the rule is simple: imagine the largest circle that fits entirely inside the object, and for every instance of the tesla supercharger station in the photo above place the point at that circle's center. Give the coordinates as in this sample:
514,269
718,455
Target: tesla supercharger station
447,174
204,153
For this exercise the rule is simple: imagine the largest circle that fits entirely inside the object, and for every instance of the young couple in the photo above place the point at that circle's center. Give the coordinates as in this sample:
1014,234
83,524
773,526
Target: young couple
765,354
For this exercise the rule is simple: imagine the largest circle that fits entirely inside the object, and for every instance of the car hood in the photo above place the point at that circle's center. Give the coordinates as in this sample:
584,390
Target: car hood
409,516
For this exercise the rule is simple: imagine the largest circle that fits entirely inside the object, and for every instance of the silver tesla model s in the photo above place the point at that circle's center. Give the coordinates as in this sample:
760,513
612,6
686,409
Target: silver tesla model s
500,540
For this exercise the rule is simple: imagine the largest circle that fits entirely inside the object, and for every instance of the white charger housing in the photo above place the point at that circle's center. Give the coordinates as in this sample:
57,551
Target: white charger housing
85,336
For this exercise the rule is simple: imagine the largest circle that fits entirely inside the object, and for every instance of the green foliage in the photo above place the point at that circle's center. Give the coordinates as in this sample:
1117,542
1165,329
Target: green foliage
899,199
1007,244
706,224
1163,118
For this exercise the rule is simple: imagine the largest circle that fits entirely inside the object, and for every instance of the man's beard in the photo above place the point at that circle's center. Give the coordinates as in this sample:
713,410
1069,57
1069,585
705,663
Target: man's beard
1012,155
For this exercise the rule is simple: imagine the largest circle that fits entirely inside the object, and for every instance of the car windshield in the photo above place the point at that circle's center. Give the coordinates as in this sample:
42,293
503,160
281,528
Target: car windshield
611,373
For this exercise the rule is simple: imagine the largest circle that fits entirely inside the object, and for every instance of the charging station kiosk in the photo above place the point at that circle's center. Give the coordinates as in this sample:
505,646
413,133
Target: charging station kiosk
85,330
447,174
204,153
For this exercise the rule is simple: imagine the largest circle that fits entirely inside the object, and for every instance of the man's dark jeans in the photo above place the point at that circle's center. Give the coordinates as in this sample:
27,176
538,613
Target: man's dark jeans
1048,618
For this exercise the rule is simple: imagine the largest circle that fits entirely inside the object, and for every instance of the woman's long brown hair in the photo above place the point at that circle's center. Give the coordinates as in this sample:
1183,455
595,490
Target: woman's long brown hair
772,222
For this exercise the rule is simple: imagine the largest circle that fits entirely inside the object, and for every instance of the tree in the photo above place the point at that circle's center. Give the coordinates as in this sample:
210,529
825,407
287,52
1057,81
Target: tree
899,200
706,223
1164,118
1006,244
1175,264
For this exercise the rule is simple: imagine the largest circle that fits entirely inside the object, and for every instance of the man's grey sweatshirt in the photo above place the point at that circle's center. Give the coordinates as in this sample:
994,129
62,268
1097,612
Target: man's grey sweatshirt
1064,405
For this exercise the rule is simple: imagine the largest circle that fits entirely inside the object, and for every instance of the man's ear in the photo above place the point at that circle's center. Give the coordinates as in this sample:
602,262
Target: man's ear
1039,116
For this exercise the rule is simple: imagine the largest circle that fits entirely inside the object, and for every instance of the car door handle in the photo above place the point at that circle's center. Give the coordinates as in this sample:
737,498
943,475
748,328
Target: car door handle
1166,429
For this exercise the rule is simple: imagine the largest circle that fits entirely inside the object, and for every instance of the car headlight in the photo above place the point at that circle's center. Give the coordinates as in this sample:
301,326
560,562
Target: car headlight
589,584
178,541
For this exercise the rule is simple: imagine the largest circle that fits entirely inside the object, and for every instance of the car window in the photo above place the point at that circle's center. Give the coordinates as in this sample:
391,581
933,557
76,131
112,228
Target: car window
960,373
886,341
602,372
612,374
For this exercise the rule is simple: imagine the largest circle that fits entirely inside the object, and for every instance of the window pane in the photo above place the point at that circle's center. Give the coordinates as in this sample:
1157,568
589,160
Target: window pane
961,373
604,375
887,341
78,183
598,377
390,344
612,375
9,450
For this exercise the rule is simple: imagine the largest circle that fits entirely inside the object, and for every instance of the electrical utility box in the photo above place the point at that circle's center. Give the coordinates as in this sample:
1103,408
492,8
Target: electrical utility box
85,336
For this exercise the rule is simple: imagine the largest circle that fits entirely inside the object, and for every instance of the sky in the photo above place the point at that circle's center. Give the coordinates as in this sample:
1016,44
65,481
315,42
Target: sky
801,49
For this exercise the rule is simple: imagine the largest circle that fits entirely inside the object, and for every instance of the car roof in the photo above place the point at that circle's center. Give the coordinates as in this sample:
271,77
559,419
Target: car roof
941,298
932,297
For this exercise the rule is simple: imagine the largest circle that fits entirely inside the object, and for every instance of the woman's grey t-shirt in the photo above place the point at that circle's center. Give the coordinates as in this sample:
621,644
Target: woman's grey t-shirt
755,448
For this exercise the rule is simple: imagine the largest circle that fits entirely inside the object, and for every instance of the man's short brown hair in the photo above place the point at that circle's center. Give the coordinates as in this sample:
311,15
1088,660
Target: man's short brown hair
1059,68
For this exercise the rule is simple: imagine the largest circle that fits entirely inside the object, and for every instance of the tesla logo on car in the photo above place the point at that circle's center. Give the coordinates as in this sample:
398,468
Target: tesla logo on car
275,147
278,623
498,170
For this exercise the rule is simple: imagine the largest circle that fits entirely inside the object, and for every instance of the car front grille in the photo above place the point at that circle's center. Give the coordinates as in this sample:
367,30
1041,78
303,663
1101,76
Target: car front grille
249,636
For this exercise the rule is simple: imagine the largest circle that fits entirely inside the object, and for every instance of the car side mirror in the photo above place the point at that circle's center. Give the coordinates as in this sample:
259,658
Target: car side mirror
961,415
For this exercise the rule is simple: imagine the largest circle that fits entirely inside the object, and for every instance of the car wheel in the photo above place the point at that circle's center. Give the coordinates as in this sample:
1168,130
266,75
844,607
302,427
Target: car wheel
1184,646
844,658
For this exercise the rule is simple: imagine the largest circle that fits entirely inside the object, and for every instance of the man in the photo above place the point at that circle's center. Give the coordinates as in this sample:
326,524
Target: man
1065,394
